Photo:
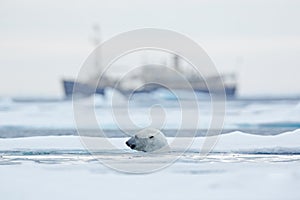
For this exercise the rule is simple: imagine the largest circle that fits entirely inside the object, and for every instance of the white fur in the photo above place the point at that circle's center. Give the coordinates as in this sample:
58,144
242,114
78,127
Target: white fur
148,140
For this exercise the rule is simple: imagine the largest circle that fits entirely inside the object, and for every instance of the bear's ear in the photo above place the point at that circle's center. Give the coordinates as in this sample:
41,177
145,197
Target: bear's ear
151,137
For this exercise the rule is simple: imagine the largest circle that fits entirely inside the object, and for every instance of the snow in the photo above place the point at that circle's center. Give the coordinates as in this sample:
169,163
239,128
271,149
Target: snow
239,173
213,180
237,142
241,166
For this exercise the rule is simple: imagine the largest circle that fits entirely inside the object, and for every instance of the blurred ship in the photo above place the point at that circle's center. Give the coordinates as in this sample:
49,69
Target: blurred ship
84,89
138,82
144,81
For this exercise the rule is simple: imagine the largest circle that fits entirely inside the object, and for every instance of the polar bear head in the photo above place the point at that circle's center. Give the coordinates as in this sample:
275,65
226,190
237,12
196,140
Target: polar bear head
148,140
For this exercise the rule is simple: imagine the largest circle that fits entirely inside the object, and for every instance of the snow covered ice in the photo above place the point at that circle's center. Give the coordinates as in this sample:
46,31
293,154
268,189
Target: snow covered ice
256,157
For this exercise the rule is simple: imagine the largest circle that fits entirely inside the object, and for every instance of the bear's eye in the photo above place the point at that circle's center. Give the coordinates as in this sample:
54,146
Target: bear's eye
151,137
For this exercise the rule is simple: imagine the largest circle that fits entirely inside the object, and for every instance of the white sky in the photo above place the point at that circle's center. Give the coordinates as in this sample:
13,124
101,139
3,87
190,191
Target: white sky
41,42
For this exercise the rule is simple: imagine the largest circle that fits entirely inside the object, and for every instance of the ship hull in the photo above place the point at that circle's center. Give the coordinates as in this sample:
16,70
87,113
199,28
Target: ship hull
81,89
86,90
229,91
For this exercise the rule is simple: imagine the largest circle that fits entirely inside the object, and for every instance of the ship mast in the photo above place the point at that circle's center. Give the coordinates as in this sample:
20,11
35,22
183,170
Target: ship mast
176,62
96,41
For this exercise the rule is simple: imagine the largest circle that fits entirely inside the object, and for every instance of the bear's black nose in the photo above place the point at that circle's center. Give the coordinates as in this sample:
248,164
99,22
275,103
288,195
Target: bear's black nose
131,144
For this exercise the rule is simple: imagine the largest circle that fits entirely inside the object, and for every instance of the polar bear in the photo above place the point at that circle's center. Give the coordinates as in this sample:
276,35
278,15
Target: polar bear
148,140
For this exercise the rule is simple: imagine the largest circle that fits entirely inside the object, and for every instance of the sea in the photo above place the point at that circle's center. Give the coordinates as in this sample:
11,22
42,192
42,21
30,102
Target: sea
257,149
42,116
